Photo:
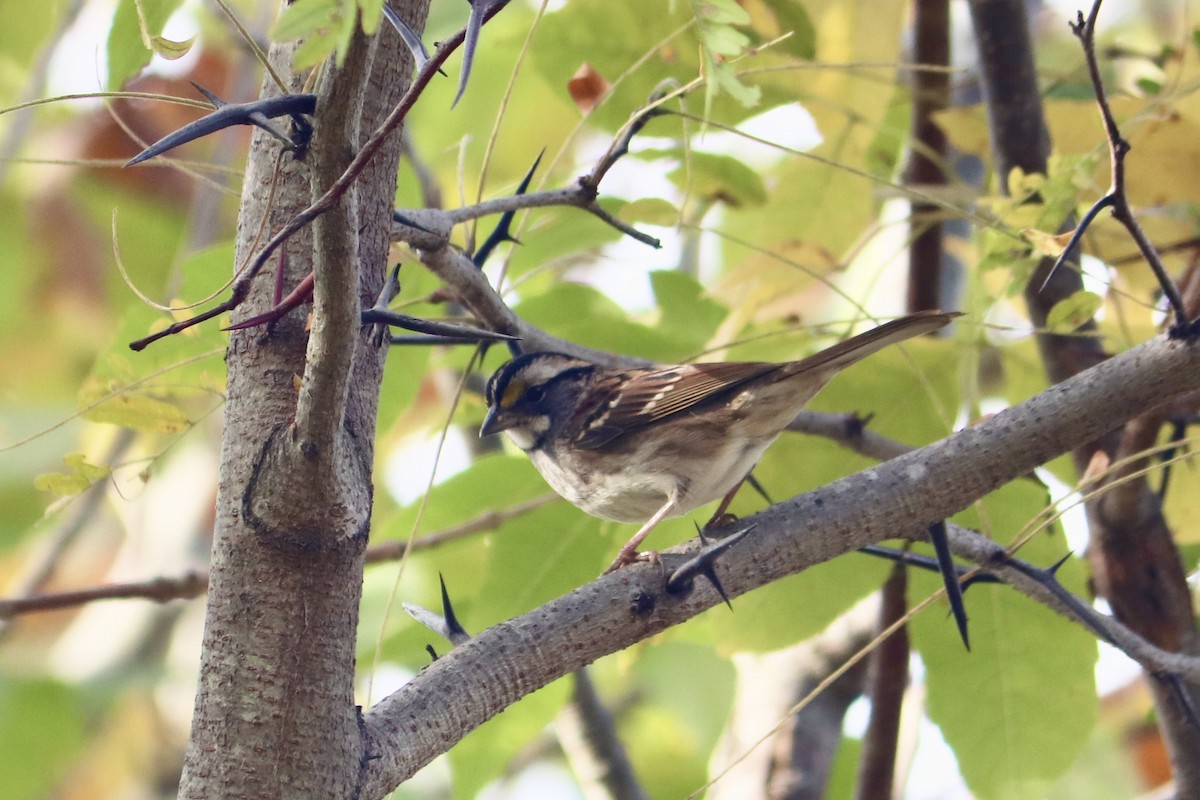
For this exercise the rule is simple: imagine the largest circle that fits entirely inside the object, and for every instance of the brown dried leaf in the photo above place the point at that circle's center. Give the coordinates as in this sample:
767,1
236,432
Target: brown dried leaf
587,87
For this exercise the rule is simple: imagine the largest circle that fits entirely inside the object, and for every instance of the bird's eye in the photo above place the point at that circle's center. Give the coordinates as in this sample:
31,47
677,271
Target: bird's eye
535,394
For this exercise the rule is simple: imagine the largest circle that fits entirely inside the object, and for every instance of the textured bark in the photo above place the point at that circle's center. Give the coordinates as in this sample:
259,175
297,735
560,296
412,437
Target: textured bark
927,163
887,681
275,713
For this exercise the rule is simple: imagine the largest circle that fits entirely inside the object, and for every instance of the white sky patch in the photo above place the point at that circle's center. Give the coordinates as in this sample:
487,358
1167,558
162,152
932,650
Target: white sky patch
406,471
79,63
789,126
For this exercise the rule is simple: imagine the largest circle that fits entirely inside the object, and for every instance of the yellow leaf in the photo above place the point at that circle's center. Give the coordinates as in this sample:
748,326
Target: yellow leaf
1047,244
78,477
136,411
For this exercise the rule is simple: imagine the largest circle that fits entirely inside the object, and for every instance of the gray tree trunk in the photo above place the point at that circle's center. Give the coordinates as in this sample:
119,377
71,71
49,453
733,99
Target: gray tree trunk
275,713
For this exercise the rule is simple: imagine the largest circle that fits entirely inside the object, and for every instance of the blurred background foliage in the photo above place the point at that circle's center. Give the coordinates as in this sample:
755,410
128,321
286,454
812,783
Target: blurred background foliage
778,195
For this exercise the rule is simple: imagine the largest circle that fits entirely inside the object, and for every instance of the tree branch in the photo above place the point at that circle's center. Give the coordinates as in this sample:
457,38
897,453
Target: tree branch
1118,148
927,161
887,681
982,550
896,499
335,192
1131,561
194,583
850,431
475,292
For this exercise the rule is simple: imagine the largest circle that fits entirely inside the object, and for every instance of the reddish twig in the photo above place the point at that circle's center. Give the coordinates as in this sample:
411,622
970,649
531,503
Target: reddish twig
332,195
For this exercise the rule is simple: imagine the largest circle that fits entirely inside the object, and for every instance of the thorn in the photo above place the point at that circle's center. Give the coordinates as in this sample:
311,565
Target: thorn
966,576
227,115
408,223
470,41
456,633
445,624
941,548
503,229
212,98
758,487
411,40
1053,568
447,331
703,564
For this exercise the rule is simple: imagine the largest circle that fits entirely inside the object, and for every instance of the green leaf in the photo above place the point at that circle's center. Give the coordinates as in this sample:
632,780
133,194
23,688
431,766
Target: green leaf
560,236
651,211
325,26
686,311
721,177
1019,708
766,619
721,41
1149,86
170,49
487,752
644,49
42,727
889,145
371,12
305,18
585,315
130,39
790,15
494,574
1067,315
668,725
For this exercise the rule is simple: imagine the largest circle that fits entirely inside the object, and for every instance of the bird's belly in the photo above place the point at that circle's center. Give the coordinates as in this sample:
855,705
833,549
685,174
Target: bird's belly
726,467
626,492
617,495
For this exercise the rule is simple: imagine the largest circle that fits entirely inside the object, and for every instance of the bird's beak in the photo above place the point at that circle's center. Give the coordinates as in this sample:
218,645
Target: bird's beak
494,422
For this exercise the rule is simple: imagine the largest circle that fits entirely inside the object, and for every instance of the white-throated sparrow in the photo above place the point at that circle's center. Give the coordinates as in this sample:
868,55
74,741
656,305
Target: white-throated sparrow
647,443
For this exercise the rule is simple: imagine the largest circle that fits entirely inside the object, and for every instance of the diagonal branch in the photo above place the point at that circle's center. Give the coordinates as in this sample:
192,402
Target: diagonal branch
897,498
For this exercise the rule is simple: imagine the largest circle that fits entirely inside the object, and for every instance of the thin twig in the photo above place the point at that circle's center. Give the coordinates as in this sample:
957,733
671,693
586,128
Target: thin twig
582,195
1116,197
194,583
850,431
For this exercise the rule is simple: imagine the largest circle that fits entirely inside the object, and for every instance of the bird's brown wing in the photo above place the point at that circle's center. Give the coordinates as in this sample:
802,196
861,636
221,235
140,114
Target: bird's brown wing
643,397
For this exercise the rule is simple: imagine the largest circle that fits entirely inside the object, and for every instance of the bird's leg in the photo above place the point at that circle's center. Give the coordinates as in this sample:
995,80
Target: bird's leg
723,506
629,552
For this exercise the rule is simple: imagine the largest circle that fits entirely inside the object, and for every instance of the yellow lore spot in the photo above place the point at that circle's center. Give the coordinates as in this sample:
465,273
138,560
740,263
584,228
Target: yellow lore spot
512,393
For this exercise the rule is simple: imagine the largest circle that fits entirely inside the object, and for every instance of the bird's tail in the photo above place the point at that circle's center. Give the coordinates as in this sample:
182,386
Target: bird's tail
847,352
